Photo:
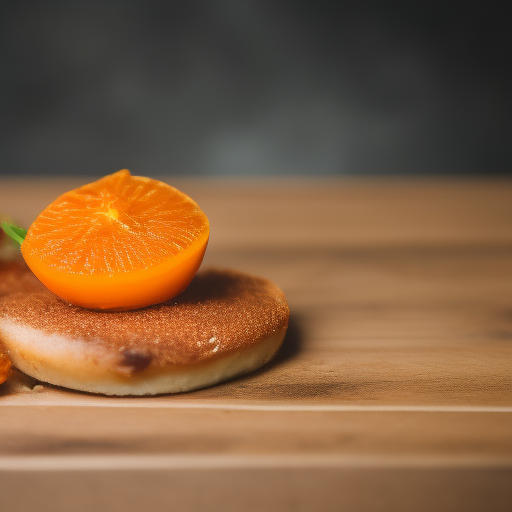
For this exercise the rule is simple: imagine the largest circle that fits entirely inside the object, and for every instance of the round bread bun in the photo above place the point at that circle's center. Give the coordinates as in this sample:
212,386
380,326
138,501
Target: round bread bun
224,324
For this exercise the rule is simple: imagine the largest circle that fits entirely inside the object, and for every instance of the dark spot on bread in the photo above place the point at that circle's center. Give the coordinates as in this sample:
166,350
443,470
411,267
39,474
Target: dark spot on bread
132,361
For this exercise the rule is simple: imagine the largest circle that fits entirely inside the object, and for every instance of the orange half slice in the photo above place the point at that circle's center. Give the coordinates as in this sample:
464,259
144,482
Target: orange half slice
122,242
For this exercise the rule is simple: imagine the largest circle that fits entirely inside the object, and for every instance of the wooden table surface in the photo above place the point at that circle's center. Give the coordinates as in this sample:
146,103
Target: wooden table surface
392,391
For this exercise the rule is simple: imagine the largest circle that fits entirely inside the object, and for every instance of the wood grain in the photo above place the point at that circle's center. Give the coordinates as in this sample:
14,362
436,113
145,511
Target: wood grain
401,301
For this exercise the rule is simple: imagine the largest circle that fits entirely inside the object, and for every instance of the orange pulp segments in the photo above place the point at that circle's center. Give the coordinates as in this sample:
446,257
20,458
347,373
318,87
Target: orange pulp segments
122,242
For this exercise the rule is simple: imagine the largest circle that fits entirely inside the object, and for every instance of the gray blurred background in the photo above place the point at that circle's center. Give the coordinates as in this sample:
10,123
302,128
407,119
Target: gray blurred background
242,87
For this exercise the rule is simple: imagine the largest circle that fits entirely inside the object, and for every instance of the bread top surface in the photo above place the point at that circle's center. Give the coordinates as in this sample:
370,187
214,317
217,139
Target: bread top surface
221,311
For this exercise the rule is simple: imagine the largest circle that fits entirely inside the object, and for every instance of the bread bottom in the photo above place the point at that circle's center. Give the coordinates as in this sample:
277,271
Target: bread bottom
78,365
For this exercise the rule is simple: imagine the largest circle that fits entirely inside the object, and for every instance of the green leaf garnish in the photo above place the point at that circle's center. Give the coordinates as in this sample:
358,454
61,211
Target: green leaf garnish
16,233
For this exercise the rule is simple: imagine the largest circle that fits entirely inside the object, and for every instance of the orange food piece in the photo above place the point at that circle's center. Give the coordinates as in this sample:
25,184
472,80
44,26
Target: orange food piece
5,365
122,242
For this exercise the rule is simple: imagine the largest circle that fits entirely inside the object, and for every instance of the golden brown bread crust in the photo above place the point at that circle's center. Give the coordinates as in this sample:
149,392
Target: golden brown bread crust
220,317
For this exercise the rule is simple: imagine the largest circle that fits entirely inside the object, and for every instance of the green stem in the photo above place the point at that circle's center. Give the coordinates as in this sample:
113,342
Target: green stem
16,233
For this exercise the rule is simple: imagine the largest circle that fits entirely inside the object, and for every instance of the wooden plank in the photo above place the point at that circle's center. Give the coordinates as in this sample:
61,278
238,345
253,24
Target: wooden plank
395,327
257,489
457,436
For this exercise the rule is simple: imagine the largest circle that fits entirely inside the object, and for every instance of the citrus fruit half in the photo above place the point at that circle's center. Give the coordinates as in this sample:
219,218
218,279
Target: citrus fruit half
122,242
